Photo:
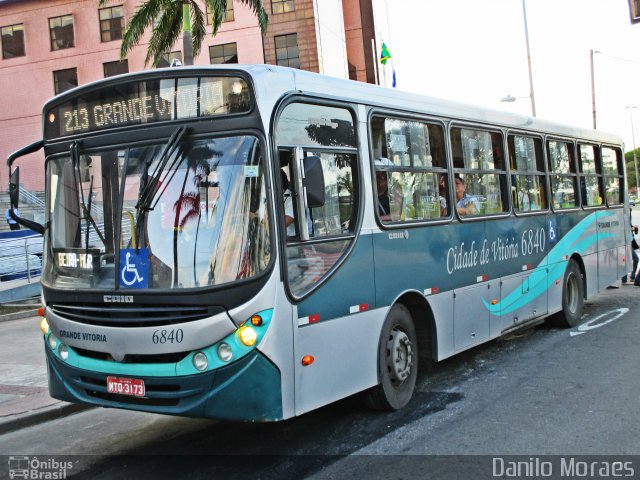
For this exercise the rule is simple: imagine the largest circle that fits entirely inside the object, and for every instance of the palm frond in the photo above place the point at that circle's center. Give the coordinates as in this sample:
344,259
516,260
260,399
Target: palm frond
198,29
165,33
140,21
258,8
217,8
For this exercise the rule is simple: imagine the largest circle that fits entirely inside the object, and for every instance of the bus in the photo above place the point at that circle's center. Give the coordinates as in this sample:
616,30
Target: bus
179,278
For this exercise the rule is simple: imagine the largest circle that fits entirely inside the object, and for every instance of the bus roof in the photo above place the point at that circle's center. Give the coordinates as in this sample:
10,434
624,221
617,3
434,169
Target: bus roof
283,79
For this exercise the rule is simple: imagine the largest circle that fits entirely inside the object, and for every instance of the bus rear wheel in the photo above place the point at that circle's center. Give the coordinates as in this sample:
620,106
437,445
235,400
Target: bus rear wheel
572,297
397,362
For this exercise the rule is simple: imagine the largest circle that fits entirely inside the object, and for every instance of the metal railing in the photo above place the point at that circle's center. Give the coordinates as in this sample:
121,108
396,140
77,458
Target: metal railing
21,258
31,198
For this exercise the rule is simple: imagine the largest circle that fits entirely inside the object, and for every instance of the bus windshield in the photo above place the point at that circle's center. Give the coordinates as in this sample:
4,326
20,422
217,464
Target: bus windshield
179,214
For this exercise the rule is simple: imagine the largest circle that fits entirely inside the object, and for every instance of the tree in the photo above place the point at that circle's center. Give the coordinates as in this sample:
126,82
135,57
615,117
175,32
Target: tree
168,18
631,170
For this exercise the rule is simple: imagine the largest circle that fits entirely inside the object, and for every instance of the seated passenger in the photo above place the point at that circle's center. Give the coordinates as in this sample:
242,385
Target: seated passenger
382,187
466,204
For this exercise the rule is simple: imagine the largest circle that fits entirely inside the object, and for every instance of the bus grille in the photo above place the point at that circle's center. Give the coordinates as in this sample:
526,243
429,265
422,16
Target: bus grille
157,358
131,317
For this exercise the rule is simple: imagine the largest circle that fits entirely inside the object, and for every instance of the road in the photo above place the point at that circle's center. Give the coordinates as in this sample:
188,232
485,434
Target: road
543,391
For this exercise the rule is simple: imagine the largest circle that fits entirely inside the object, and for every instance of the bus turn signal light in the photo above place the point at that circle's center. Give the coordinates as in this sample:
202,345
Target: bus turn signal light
41,312
256,320
307,360
44,326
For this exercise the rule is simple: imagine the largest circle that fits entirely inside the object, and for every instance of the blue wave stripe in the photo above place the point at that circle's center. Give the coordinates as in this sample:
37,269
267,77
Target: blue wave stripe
540,280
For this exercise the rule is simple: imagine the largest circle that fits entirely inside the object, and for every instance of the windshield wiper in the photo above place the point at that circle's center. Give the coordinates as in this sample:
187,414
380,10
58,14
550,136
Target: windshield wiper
150,184
86,211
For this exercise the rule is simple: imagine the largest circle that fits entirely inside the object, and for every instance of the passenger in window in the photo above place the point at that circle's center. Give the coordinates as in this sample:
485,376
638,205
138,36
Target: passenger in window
442,197
288,205
466,204
289,216
382,186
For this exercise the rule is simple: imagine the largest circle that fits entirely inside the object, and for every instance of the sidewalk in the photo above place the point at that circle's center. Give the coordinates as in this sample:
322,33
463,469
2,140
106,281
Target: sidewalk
24,394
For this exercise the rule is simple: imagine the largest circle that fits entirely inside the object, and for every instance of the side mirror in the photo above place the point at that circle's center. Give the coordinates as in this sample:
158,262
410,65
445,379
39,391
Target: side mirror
14,188
314,179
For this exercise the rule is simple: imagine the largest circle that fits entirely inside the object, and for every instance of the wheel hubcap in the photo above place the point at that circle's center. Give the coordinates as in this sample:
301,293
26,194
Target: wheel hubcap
399,356
572,293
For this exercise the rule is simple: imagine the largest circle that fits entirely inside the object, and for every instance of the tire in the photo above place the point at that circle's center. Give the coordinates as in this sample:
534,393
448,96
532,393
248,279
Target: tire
397,362
572,297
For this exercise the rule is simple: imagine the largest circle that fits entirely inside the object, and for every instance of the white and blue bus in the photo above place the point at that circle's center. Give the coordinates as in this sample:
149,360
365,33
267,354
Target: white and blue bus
254,242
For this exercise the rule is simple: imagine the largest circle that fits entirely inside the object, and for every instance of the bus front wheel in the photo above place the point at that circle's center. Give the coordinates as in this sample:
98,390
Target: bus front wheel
572,297
397,362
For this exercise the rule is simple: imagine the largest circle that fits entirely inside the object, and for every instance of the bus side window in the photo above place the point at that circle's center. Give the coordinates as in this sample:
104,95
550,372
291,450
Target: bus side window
527,168
479,164
328,133
410,170
563,175
590,180
613,177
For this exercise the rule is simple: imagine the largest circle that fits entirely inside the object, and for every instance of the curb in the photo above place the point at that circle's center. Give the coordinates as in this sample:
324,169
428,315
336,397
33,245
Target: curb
18,315
35,417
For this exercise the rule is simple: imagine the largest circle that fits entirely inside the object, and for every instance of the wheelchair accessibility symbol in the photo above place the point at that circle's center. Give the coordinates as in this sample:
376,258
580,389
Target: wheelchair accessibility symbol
134,268
553,231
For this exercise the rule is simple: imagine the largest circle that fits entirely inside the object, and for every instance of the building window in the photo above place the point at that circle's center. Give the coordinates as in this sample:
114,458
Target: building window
287,50
61,32
64,80
634,7
227,16
13,41
282,6
167,58
227,53
111,23
115,68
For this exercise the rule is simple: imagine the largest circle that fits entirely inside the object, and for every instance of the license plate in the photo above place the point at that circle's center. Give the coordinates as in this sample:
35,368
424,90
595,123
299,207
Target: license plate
125,386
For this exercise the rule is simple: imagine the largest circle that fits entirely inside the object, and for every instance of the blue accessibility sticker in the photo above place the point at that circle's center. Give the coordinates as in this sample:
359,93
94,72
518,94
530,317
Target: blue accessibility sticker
553,231
134,268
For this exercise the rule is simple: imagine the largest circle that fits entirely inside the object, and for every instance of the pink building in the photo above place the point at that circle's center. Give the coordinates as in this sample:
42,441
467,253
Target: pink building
53,45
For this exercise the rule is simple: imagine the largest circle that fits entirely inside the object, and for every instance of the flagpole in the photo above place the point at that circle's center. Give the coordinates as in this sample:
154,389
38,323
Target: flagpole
375,60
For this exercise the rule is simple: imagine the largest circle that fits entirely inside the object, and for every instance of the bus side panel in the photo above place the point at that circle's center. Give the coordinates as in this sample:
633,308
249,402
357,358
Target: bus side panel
416,259
610,237
442,308
345,358
277,346
340,328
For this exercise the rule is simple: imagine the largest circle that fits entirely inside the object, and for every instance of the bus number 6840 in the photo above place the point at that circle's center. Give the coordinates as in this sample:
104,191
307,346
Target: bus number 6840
167,336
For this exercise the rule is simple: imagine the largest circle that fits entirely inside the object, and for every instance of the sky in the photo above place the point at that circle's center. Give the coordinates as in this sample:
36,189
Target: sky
474,51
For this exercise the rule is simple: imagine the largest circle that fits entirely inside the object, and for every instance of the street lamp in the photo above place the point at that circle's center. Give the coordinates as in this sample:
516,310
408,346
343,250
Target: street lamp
511,98
526,36
593,87
633,141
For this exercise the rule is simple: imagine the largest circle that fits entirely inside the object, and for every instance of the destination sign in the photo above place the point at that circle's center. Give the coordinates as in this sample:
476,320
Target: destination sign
76,260
149,101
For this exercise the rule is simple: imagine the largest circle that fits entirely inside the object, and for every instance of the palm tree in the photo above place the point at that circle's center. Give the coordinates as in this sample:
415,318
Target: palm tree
168,18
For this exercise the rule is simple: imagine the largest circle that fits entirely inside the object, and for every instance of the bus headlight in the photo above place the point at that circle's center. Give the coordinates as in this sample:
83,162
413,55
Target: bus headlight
53,342
224,352
200,361
63,351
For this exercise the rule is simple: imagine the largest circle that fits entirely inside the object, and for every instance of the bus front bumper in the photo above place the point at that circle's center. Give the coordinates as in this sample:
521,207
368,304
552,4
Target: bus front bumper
247,390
